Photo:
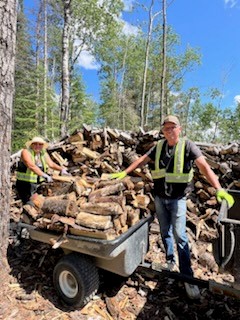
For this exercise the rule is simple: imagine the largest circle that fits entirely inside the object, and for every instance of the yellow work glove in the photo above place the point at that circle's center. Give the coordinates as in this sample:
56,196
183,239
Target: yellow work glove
222,194
118,175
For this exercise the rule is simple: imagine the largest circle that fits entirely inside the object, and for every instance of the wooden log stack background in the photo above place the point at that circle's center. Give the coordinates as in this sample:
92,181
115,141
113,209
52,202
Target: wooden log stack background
89,203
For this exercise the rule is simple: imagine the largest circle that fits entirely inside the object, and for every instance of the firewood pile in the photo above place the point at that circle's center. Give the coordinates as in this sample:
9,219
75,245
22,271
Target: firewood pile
89,203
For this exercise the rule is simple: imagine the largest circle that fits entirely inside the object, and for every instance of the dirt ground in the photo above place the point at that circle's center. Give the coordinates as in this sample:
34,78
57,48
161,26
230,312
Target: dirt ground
27,291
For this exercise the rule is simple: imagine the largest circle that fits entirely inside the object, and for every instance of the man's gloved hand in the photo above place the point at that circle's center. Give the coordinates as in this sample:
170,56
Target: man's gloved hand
64,172
47,177
118,175
222,194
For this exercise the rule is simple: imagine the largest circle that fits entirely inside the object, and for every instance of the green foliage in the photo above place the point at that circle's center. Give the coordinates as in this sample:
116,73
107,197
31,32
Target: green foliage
24,101
83,108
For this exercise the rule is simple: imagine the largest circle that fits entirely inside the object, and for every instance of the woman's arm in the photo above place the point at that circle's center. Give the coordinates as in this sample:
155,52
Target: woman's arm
52,164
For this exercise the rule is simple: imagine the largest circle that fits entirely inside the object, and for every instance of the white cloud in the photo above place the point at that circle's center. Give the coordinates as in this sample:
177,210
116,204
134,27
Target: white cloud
237,99
231,3
87,61
129,29
128,4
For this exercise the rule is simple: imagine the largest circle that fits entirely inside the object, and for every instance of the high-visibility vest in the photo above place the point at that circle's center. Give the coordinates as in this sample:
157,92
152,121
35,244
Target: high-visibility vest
177,175
30,176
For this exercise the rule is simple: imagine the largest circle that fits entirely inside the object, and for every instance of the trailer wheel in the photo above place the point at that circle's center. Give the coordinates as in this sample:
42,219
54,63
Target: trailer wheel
76,279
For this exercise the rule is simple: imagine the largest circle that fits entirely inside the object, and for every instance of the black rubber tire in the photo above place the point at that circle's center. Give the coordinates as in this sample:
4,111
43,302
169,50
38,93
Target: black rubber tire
75,279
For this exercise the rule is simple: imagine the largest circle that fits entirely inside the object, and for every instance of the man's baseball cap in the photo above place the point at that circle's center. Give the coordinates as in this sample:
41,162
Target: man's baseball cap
172,119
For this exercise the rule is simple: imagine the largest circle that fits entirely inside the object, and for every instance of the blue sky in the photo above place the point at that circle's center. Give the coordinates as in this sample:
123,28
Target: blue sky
213,26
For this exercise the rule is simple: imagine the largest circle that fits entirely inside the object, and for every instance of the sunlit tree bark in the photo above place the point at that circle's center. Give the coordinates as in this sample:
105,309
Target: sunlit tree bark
8,18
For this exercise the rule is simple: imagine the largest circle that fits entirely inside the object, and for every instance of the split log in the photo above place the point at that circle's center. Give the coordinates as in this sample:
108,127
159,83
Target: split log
112,133
108,190
60,207
133,216
59,159
76,137
105,181
121,200
96,142
141,201
56,188
105,208
38,199
44,223
230,149
30,211
123,218
106,167
203,195
63,178
192,207
84,151
94,221
108,234
117,224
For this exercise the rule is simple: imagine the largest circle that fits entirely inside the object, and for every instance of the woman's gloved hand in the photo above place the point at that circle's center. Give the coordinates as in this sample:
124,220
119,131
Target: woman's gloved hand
64,172
118,175
222,194
47,177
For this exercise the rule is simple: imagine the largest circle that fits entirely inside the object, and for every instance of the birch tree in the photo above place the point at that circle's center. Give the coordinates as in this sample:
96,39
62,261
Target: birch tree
85,22
164,58
65,67
148,42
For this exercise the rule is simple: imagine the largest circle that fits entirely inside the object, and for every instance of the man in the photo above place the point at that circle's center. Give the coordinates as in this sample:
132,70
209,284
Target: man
173,159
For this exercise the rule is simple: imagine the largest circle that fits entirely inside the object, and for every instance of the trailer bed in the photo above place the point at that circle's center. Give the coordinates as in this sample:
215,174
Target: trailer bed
121,255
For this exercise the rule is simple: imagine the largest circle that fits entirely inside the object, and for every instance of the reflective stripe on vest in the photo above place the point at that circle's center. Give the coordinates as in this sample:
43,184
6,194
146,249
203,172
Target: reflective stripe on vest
29,175
177,176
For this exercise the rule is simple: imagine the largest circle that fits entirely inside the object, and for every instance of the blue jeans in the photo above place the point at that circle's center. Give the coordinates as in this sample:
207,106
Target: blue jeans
171,214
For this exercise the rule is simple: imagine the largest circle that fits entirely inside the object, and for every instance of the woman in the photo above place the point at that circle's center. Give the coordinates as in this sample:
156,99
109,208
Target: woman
33,166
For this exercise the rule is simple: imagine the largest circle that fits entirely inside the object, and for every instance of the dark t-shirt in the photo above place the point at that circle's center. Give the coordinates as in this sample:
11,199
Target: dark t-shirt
173,190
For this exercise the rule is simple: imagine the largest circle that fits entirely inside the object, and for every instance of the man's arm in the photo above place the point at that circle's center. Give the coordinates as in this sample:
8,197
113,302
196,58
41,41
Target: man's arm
205,169
221,194
138,163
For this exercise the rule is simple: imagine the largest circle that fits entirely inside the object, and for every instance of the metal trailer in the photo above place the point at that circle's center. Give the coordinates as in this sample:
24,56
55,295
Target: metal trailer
227,245
75,276
226,251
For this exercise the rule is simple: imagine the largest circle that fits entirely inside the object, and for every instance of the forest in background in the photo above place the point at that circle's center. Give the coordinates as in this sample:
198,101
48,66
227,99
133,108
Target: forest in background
141,75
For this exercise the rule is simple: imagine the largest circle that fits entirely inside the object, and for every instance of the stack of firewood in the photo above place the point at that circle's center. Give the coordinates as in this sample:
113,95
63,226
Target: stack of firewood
100,208
90,203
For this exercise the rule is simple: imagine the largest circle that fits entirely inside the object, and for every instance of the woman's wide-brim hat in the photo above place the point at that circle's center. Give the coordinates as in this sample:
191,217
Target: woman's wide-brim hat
37,140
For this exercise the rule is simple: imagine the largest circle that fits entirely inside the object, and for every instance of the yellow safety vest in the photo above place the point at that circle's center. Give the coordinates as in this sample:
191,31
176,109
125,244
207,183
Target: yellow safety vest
177,176
29,175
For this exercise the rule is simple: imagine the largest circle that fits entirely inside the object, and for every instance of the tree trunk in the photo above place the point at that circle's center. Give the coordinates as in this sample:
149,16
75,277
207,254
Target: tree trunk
45,68
149,36
163,109
38,33
150,25
8,18
121,104
65,68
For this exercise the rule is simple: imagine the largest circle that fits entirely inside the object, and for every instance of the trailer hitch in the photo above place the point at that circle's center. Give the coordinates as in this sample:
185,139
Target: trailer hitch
157,272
